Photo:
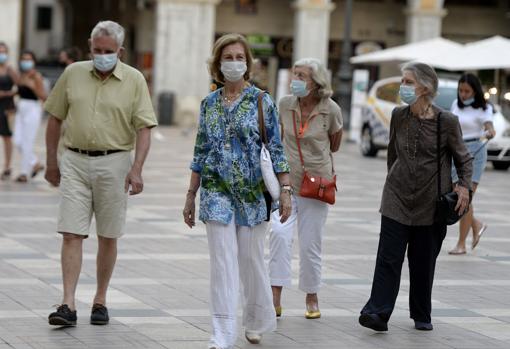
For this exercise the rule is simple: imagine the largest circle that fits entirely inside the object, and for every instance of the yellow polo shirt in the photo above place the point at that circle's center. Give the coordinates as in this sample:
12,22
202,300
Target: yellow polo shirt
101,115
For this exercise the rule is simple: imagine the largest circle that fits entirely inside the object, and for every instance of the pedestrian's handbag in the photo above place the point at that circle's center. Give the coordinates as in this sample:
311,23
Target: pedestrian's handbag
266,164
315,187
445,203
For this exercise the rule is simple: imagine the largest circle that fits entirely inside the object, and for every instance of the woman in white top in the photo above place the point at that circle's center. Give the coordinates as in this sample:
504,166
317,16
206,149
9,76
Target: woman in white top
475,117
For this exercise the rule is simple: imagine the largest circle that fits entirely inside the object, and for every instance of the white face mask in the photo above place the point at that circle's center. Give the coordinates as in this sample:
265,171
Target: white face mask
105,63
233,70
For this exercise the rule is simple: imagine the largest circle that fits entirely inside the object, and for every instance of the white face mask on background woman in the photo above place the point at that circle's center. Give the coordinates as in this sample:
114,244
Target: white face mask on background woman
26,64
468,102
233,70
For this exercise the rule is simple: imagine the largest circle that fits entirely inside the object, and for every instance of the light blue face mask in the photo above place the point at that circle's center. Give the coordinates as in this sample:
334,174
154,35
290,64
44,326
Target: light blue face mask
298,88
468,102
105,63
407,94
3,58
26,64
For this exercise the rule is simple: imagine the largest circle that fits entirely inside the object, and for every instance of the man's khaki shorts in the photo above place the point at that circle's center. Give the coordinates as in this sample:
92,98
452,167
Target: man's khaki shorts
93,185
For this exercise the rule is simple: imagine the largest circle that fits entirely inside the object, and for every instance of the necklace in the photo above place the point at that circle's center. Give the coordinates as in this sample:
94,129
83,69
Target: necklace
412,155
423,113
229,99
416,135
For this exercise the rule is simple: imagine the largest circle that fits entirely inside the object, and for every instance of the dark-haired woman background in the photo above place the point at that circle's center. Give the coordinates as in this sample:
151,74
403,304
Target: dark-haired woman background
28,118
475,117
8,78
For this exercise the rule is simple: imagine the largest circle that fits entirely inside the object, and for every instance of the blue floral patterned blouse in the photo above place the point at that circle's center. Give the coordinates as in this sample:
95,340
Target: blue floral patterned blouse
227,156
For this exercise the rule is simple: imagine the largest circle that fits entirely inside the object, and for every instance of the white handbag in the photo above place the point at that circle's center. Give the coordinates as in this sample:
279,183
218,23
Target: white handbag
270,179
266,164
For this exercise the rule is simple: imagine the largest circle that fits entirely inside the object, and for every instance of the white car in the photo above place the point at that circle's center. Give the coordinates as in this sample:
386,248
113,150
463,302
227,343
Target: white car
498,149
383,97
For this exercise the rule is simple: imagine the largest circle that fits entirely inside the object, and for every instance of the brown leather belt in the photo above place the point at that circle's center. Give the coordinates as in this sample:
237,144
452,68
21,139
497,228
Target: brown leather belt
95,152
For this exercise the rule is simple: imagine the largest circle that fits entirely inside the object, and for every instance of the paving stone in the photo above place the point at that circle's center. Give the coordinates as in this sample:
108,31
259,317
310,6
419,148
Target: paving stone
159,292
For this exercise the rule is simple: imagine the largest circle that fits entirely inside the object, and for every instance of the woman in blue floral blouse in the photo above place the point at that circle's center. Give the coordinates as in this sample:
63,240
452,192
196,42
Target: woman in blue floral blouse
226,165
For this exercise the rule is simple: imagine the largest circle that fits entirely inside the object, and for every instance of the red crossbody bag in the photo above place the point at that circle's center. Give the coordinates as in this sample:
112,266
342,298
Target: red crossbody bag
315,187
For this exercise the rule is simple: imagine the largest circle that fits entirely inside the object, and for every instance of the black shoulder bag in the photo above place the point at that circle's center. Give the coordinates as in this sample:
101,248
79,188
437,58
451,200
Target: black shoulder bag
445,203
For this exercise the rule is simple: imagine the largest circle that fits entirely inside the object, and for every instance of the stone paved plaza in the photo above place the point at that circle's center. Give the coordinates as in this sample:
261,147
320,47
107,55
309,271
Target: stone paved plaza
158,296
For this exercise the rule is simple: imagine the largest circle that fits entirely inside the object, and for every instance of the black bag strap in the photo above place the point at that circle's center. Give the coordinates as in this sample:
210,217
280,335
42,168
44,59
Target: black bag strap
438,155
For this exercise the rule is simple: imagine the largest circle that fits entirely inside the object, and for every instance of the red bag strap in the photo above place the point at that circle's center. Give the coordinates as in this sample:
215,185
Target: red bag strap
297,139
262,124
299,145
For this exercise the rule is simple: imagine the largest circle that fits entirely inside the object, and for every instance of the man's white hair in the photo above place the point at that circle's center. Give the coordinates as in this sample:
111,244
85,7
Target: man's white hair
109,28
319,75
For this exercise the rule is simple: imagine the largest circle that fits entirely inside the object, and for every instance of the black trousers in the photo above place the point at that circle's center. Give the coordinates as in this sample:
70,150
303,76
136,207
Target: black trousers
423,245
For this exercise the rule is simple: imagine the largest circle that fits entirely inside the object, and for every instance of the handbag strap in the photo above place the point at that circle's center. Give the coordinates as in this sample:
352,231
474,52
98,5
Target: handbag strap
262,124
438,137
297,139
299,145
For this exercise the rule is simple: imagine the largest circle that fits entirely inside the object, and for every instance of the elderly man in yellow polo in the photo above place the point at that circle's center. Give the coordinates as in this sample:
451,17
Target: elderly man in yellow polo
107,107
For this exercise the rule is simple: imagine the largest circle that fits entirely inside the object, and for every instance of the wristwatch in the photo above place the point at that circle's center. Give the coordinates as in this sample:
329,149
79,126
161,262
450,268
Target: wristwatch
287,188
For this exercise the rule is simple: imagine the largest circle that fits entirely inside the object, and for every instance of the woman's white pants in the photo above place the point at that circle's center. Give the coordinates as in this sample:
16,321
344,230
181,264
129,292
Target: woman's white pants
309,217
28,119
237,254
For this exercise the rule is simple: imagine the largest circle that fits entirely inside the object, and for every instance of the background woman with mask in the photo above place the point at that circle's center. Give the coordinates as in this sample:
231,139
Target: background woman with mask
226,166
475,117
319,120
28,117
409,198
8,78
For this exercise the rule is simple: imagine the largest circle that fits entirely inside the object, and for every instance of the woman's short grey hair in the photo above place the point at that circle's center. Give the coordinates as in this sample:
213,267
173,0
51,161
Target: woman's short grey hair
109,28
319,74
425,76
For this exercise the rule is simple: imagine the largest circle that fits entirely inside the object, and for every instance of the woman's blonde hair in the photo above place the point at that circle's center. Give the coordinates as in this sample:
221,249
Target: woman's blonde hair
214,63
319,75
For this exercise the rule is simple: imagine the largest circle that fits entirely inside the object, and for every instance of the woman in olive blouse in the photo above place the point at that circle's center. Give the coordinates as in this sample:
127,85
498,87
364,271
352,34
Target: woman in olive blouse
409,198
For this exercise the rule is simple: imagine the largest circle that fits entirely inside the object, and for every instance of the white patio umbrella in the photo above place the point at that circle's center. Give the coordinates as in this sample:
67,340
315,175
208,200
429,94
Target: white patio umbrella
491,53
426,50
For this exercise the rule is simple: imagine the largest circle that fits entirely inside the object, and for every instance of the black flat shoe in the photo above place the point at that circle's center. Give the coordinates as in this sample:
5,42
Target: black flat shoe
99,315
5,175
63,316
423,326
373,321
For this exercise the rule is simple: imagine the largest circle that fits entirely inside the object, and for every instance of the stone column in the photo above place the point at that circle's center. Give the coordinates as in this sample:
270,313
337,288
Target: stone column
311,33
184,39
424,19
10,27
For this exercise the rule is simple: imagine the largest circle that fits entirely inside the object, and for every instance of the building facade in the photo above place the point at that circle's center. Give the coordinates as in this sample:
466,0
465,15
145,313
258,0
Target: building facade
171,40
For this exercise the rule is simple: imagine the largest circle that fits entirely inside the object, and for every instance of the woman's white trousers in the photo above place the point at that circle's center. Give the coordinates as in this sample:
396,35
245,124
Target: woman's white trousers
237,263
308,217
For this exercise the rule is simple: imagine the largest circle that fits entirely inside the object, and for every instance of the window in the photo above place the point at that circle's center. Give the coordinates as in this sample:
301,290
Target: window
389,92
246,7
43,17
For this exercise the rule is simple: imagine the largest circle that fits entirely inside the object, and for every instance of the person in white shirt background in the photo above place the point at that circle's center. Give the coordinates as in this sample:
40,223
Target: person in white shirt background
475,117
